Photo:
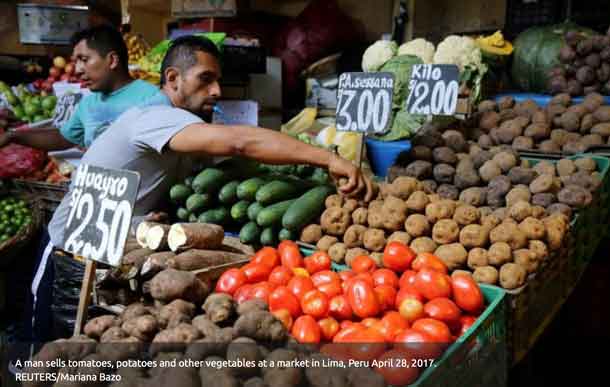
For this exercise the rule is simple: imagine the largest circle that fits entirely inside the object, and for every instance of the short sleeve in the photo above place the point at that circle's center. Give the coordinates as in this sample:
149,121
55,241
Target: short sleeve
158,124
74,130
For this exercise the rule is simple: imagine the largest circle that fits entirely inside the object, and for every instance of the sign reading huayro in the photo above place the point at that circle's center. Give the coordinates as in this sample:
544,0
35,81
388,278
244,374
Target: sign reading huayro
65,107
101,207
364,102
433,89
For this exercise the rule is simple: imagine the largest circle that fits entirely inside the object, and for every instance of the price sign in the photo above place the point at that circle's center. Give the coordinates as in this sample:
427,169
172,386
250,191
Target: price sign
433,89
65,107
364,102
101,207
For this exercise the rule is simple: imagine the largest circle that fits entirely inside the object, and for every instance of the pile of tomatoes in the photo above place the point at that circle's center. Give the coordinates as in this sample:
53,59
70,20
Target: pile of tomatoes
411,308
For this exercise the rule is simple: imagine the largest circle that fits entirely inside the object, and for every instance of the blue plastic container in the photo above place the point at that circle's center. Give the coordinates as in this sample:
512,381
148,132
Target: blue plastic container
383,154
540,99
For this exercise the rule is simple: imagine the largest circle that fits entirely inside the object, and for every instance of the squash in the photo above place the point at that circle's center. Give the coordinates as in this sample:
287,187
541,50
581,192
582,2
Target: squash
537,52
495,44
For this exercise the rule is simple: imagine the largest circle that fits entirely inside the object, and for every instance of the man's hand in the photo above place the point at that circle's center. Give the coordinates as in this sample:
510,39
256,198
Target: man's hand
357,184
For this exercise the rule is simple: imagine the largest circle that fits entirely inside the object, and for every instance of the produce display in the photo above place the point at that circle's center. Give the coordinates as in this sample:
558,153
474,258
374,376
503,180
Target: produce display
14,215
62,71
27,106
136,47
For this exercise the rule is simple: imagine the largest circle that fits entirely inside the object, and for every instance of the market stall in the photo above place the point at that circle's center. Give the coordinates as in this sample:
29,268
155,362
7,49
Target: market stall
488,159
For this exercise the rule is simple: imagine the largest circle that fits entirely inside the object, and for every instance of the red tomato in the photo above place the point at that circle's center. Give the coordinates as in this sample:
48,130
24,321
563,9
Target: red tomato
256,272
346,334
282,298
392,371
385,277
284,316
280,276
346,274
243,293
465,323
331,289
325,277
408,292
300,285
438,330
262,290
315,304
316,262
339,308
430,261
290,255
369,321
230,281
360,276
368,344
267,256
386,295
395,323
433,284
467,293
329,328
398,257
417,344
362,298
306,330
407,278
411,309
443,309
363,264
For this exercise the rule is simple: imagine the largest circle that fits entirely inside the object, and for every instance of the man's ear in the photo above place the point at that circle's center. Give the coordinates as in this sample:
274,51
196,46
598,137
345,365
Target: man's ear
114,60
171,77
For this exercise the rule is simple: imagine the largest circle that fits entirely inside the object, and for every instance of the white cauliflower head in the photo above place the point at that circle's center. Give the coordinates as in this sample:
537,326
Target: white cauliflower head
377,54
459,50
419,47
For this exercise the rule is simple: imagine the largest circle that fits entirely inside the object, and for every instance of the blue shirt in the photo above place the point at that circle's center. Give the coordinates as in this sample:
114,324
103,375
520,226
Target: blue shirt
97,111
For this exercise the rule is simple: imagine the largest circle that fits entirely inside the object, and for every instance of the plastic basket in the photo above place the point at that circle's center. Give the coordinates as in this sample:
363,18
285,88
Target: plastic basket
540,99
383,154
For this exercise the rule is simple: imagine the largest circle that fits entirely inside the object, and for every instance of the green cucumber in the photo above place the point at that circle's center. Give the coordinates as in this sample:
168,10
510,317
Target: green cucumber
306,208
198,202
179,193
277,191
228,193
193,218
239,211
217,216
247,189
286,235
183,213
209,180
253,210
250,233
272,215
268,237
320,176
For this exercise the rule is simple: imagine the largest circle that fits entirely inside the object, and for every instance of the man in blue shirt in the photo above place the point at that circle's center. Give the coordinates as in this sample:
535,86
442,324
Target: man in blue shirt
101,61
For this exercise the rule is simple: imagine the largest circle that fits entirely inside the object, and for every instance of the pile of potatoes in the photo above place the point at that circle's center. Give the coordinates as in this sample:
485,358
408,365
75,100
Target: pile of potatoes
496,177
558,127
501,246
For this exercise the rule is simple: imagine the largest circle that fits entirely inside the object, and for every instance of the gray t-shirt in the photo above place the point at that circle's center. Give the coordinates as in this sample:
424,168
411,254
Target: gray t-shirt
137,141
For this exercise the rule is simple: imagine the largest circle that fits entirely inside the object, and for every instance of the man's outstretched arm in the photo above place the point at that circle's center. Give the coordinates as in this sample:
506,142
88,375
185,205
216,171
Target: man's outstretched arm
48,139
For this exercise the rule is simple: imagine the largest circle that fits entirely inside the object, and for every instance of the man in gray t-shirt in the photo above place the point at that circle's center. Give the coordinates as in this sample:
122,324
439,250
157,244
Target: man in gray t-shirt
157,139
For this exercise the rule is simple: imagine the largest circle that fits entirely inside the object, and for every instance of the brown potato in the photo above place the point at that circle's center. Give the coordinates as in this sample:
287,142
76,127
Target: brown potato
360,215
520,210
545,168
559,136
523,143
444,155
542,184
486,106
489,120
521,175
403,187
527,259
541,252
559,208
505,160
486,275
586,164
509,233
448,192
337,252
311,234
485,211
565,167
454,255
603,129
549,146
538,212
477,257
334,201
394,212
490,221
350,205
418,201
501,213
512,276
335,221
354,235
445,231
423,245
544,199
506,102
417,225
517,194
533,228
353,253
374,239
443,209
489,170
421,152
575,196
499,253
326,242
466,214
474,235
400,236
556,228
570,121
474,196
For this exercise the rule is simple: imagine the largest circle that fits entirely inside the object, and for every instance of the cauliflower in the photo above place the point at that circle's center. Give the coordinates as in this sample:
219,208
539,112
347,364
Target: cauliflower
378,54
420,48
459,50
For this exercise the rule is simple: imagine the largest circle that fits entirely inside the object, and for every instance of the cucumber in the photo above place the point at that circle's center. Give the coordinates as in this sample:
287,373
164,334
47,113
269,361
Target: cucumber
268,237
209,180
183,213
287,235
189,181
239,211
276,191
304,170
253,210
320,176
306,208
217,216
198,202
247,189
193,218
272,215
179,193
228,193
250,233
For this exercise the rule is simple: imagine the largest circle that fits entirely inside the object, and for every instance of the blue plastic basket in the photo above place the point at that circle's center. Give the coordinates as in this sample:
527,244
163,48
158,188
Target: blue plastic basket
383,154
540,99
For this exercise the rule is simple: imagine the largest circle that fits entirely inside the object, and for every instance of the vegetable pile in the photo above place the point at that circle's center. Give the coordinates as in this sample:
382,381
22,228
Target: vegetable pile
14,216
419,314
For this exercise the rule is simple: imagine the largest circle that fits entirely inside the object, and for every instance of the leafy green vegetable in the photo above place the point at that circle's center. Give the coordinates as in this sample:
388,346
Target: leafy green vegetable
401,67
